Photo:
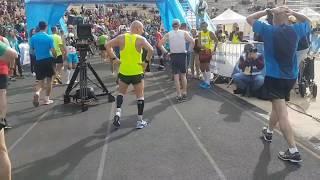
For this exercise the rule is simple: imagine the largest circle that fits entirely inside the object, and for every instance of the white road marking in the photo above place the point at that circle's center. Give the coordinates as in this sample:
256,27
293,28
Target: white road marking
195,137
30,128
105,147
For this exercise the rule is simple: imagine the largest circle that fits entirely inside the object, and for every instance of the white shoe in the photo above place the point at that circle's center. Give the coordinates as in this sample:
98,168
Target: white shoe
48,102
68,82
141,124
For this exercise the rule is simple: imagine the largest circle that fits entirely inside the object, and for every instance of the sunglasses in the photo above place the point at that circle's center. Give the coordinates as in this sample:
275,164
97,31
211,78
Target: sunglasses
253,50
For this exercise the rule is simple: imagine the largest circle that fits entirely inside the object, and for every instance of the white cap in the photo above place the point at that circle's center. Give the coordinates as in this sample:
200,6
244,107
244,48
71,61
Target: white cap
176,21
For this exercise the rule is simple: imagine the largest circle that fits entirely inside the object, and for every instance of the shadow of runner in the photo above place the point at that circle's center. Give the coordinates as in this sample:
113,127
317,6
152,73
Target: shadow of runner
261,170
61,164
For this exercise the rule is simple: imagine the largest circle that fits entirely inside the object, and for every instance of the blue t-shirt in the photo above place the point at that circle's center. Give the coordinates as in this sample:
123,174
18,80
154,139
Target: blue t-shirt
273,64
42,43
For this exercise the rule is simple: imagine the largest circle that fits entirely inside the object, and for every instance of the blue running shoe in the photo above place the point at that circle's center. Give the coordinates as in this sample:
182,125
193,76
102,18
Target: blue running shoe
202,84
206,86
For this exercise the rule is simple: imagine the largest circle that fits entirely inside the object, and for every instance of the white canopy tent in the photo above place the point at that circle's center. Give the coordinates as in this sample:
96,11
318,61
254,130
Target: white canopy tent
229,17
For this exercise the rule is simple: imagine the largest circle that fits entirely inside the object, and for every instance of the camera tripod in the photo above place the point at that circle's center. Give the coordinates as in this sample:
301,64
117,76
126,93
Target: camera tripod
85,94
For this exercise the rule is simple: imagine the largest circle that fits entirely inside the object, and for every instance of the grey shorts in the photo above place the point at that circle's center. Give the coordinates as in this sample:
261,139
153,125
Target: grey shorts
179,63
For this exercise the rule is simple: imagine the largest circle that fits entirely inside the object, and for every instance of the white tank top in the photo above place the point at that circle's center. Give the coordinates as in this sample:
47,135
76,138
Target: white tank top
177,41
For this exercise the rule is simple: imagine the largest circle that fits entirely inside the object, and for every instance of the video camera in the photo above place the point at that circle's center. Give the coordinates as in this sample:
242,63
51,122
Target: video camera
84,37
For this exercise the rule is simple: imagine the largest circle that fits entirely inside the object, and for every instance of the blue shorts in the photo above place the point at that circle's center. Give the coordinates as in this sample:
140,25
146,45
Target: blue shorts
73,58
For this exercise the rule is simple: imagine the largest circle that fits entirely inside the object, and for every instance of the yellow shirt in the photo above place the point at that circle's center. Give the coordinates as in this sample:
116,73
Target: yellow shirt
57,41
130,58
206,40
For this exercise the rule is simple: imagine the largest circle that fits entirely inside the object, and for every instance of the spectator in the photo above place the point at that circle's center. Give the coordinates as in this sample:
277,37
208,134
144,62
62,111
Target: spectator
251,78
201,9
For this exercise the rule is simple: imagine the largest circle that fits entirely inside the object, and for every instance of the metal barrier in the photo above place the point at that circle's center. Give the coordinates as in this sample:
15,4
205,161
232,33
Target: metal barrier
225,60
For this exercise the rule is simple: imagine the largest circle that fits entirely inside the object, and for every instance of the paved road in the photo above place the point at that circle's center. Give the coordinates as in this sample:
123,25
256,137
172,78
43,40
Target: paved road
212,136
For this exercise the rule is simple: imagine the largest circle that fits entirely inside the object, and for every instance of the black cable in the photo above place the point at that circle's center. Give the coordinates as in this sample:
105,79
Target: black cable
301,112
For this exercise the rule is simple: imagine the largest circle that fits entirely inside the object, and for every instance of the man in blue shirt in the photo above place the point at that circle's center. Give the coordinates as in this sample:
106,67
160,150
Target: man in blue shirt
43,46
280,47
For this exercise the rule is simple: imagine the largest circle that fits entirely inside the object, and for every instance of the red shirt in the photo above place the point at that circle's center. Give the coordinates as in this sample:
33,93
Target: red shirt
4,69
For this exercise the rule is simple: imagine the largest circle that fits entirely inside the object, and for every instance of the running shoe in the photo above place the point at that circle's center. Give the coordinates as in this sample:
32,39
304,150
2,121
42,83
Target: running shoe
202,84
36,100
179,99
292,157
116,121
48,102
205,86
184,97
6,124
141,124
266,136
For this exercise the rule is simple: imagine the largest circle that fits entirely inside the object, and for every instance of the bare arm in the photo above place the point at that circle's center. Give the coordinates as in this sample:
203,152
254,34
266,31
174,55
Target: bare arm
112,44
147,46
10,55
215,39
189,39
255,16
162,42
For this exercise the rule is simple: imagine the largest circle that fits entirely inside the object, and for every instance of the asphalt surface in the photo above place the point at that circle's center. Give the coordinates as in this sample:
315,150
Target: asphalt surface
211,136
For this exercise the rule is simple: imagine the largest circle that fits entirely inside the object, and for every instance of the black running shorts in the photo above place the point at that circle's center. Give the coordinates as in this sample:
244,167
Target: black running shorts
58,60
3,81
179,63
278,88
134,79
44,69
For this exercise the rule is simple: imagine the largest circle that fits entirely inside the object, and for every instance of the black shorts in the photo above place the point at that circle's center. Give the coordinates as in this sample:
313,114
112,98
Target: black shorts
44,69
3,81
179,63
58,60
102,47
134,79
278,88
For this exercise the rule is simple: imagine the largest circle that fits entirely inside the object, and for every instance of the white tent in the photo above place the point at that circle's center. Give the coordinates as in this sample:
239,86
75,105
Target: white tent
229,17
310,13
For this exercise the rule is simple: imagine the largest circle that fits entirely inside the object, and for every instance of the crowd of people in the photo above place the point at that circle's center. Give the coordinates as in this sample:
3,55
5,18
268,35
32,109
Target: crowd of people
127,40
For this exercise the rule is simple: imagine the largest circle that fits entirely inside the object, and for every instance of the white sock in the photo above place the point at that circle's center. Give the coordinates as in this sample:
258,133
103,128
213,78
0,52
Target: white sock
38,93
208,74
269,131
204,74
118,112
140,117
293,150
46,98
68,74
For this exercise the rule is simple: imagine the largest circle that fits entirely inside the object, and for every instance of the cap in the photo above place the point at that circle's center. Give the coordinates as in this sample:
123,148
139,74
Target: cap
176,21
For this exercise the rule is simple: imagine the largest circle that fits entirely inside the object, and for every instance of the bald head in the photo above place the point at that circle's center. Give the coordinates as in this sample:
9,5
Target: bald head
136,27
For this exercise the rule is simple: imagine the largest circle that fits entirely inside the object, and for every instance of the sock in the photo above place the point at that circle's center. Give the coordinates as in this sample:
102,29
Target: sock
118,112
204,76
208,76
269,131
140,104
38,93
46,98
293,150
68,75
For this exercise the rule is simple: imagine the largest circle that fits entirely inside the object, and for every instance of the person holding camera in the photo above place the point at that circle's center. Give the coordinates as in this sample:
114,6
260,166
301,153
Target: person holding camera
7,56
251,64
43,45
131,70
280,46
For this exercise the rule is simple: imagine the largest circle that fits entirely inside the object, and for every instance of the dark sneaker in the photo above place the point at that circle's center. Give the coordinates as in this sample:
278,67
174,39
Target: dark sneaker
179,99
184,97
292,157
116,121
2,124
266,136
6,124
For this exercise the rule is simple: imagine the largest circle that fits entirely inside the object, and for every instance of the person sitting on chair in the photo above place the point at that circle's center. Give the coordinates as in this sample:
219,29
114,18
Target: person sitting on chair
251,77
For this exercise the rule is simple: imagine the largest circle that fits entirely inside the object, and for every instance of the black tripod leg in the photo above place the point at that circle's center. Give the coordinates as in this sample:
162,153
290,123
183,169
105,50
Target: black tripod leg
73,79
98,78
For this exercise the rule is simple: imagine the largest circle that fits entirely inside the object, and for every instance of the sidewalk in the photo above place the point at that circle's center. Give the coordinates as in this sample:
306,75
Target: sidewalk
305,128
